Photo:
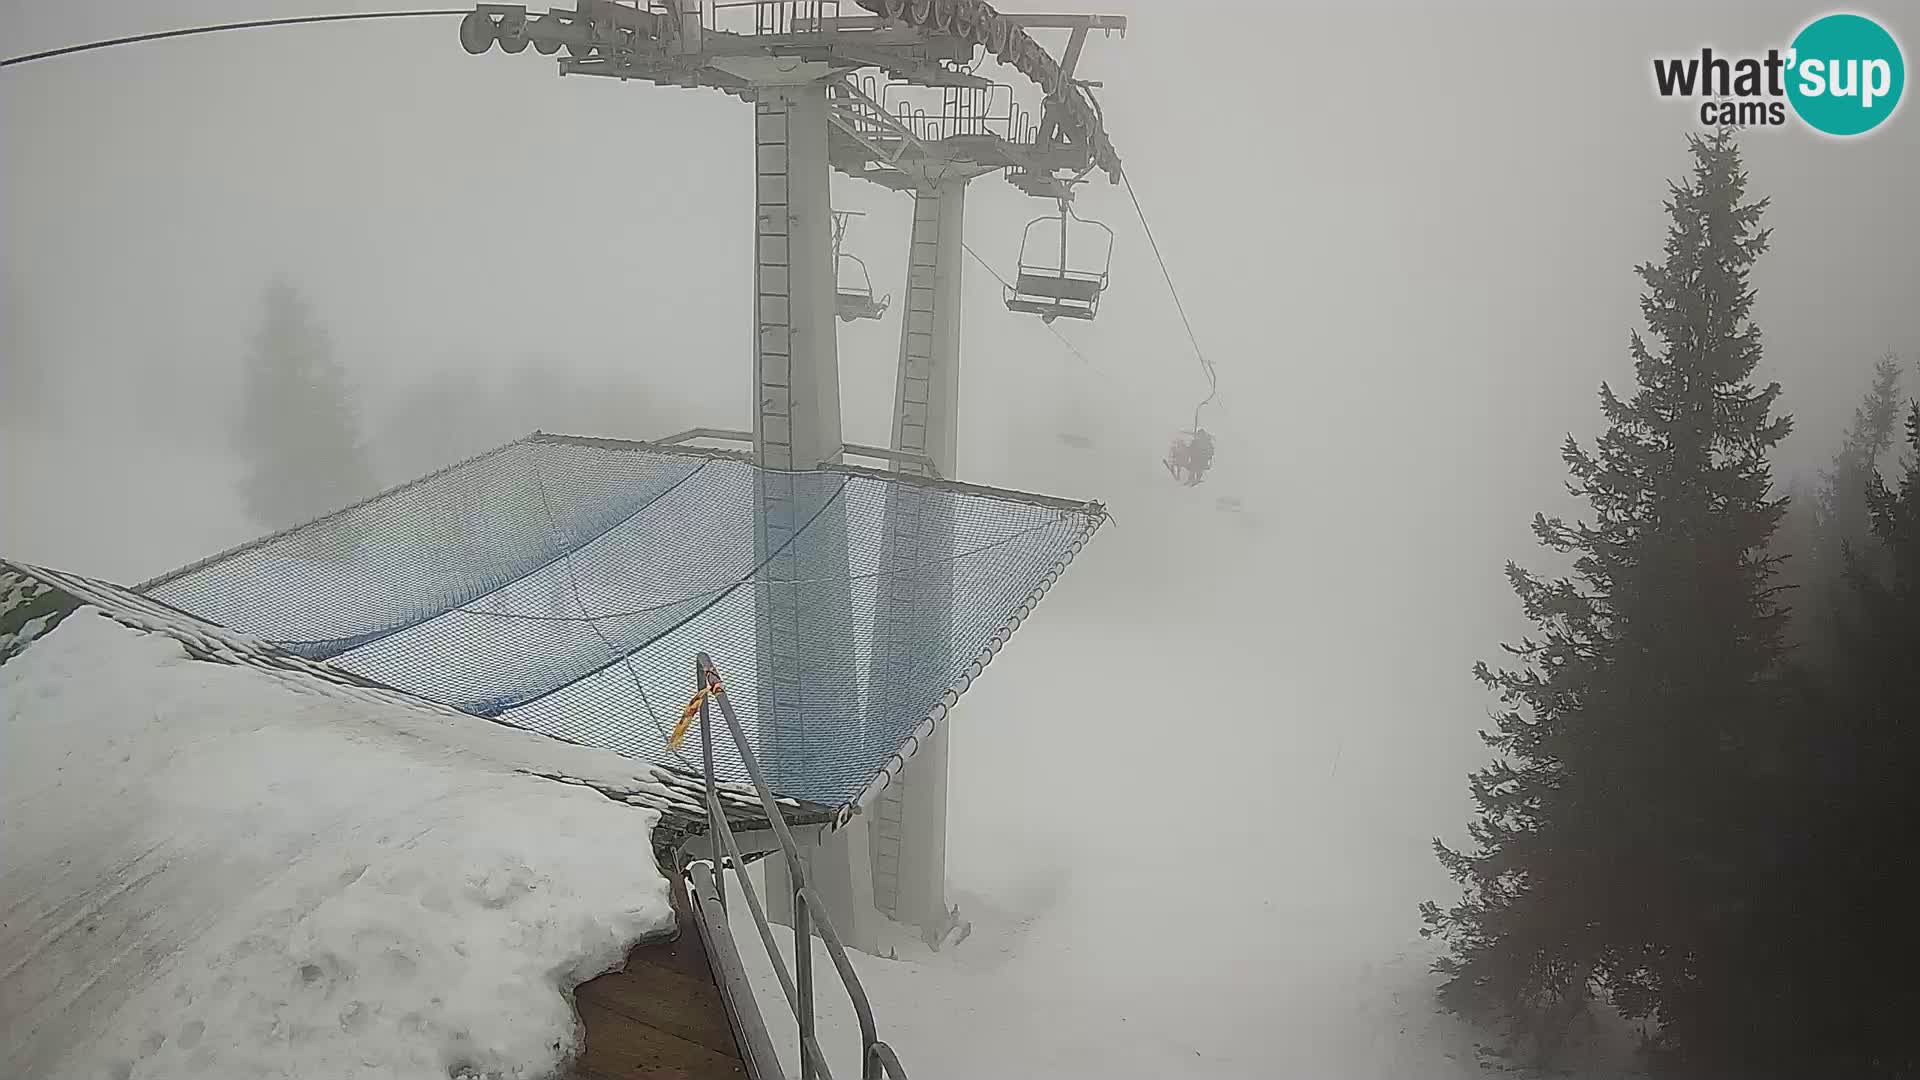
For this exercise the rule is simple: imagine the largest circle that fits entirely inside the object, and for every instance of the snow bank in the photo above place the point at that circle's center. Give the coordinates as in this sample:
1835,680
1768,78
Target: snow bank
206,875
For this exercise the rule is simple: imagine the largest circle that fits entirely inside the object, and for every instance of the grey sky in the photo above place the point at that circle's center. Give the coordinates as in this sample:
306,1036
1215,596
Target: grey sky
1384,217
1405,234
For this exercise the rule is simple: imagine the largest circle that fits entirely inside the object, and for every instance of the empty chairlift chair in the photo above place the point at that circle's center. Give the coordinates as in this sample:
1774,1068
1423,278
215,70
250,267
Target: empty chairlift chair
853,287
1052,289
853,297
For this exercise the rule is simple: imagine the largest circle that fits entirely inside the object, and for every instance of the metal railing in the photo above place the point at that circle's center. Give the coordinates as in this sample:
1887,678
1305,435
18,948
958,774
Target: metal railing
773,18
854,111
876,1057
894,458
960,110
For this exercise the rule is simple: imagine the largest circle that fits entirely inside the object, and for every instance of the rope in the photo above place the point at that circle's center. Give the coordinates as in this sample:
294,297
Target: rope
728,591
1005,284
691,713
1213,381
653,608
573,575
252,24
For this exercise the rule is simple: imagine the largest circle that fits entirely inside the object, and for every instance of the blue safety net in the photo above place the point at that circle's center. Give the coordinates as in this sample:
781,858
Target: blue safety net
566,585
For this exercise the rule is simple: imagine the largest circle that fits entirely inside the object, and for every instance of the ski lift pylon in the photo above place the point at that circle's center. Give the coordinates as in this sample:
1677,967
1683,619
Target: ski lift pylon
853,287
1052,289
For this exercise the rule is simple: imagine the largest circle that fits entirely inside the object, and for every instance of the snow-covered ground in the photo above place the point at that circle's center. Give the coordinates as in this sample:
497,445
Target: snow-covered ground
1038,996
209,875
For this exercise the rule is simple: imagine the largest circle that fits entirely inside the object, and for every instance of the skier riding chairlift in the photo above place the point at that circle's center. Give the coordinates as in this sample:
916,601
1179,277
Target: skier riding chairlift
1191,456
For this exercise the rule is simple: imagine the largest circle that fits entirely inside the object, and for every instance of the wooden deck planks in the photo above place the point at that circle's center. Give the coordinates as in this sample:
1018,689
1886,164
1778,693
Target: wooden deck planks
662,1018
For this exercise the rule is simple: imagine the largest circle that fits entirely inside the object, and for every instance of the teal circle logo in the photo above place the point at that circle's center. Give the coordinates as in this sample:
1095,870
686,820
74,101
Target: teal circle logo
1847,74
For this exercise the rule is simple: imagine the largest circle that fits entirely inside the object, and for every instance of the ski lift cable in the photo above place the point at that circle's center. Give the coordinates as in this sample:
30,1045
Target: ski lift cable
1213,381
1055,331
365,16
251,24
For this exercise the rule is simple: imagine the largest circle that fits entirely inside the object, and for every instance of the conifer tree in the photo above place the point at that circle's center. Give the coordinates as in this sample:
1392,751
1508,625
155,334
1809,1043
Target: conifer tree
1824,524
1885,639
297,434
1843,498
1854,912
1610,841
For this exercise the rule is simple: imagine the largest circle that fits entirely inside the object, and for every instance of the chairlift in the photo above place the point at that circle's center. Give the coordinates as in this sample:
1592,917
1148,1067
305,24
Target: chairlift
853,287
1052,289
1190,457
854,299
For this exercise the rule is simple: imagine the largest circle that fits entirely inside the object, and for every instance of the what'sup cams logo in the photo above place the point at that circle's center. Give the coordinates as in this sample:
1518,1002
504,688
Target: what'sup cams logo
1842,75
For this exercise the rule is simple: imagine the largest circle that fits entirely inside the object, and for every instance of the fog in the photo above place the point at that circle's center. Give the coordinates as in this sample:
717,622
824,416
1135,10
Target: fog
1201,784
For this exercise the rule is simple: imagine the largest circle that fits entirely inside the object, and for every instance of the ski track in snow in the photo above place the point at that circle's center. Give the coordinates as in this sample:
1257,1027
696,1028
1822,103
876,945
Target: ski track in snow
207,875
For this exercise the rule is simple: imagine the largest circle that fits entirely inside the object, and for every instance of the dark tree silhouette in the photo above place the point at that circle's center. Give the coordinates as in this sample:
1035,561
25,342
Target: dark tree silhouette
1825,524
1610,842
1842,915
297,433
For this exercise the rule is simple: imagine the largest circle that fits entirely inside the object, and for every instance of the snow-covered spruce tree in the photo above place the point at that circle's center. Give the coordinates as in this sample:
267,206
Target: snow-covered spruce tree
297,434
1611,838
